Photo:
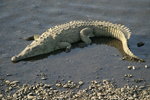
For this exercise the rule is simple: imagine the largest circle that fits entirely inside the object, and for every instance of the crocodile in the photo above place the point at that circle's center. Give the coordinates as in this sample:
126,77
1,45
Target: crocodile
63,35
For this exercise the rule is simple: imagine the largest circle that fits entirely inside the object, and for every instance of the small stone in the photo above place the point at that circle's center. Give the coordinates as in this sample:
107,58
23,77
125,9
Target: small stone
69,81
133,67
146,66
8,74
122,89
141,87
135,95
10,88
39,98
47,85
24,85
41,84
129,67
140,44
14,82
1,96
37,85
7,82
15,95
94,98
51,88
90,87
80,83
8,97
31,95
130,98
99,94
129,75
44,78
77,86
101,98
144,93
55,91
125,75
133,80
50,93
106,81
58,85
65,86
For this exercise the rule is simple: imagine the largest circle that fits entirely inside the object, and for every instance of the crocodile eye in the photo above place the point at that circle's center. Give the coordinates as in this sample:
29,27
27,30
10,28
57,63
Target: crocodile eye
34,48
28,45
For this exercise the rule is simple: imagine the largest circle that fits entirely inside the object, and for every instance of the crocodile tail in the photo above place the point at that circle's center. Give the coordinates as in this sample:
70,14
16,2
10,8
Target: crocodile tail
128,52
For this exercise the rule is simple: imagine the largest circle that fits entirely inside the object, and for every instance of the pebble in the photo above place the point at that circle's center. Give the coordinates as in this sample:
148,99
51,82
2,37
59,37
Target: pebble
47,86
58,85
7,82
129,67
130,98
135,95
1,96
125,75
128,75
141,87
15,95
80,83
44,78
65,86
31,96
8,74
133,67
122,89
10,88
146,66
140,44
94,98
14,82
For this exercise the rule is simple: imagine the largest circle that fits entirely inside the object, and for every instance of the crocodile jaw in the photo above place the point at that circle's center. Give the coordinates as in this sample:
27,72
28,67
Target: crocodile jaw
29,51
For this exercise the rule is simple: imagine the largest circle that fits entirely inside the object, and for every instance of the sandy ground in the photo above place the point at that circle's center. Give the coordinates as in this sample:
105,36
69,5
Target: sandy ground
20,19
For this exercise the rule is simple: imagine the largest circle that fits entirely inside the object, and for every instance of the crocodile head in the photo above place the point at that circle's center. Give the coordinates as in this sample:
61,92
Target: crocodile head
29,51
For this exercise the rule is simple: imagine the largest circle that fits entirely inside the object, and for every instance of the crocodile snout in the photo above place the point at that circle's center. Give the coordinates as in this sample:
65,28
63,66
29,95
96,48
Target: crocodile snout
14,58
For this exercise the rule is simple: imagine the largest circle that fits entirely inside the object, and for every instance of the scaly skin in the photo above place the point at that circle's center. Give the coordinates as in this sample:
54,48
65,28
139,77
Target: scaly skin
61,37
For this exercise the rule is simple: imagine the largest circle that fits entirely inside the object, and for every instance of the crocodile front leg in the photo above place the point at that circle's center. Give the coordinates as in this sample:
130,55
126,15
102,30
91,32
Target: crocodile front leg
65,45
85,34
34,37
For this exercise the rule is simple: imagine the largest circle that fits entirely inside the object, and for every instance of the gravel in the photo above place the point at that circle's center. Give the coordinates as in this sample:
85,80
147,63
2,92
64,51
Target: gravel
104,90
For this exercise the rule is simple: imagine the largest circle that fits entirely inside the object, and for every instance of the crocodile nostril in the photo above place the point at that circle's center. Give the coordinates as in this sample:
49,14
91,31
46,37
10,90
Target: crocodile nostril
14,58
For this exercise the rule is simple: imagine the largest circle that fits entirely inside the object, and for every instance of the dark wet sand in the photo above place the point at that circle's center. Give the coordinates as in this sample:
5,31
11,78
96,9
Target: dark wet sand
20,19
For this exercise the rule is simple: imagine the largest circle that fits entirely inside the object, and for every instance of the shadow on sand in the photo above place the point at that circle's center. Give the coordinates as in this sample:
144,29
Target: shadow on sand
95,40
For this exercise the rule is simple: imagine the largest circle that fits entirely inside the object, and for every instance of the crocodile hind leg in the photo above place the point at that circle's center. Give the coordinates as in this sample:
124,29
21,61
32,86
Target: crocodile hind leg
65,45
33,37
85,34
